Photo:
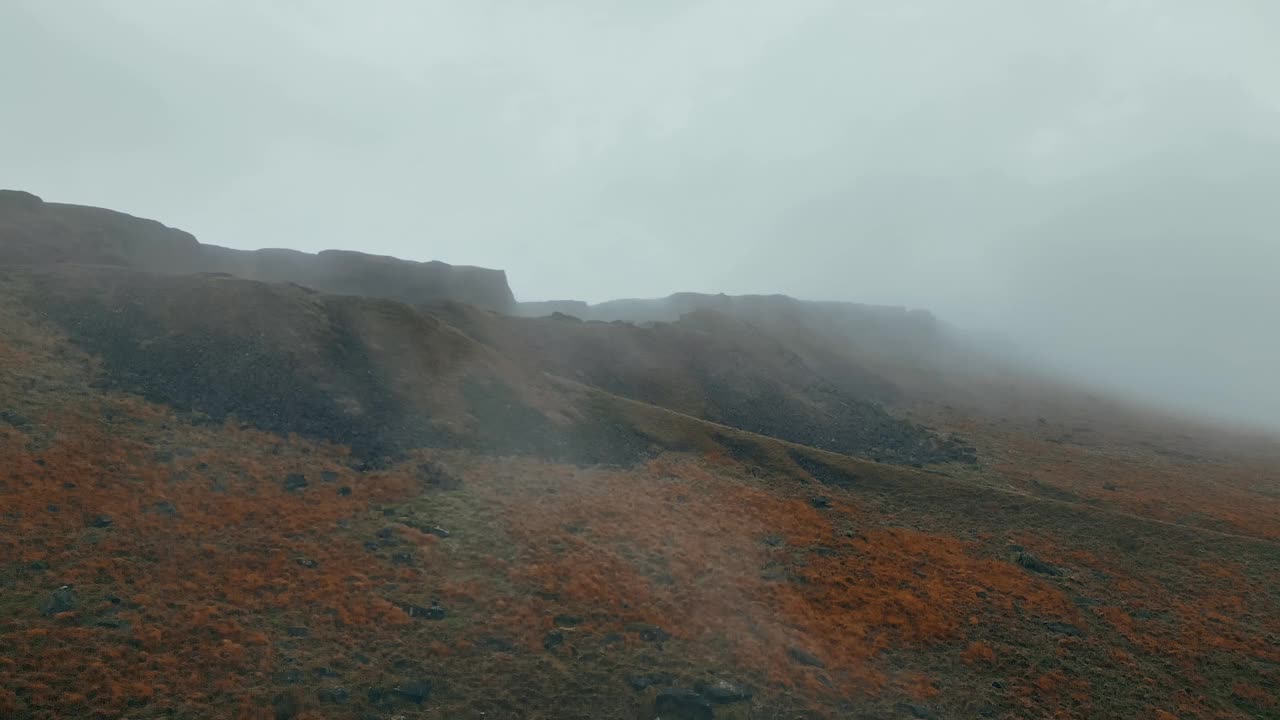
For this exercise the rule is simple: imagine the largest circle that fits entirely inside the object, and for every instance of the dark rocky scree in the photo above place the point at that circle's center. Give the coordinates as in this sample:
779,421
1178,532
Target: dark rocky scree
223,375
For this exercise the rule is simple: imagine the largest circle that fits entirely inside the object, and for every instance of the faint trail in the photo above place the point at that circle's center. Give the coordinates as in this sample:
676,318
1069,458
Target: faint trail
944,477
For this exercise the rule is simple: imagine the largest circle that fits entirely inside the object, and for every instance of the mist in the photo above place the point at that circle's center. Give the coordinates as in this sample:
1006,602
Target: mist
1094,180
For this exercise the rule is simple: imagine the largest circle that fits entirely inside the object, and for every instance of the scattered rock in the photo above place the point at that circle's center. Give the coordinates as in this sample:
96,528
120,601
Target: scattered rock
401,558
497,644
435,612
61,600
416,691
371,546
325,672
14,419
37,566
641,682
567,620
164,507
293,482
285,706
1036,565
723,692
681,704
344,491
554,639
821,502
297,632
772,540
328,476
805,657
437,478
1064,629
101,521
648,632
916,711
338,695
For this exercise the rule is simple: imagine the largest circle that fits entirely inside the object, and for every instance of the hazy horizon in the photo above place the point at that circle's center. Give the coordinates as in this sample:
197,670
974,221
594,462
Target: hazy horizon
1095,180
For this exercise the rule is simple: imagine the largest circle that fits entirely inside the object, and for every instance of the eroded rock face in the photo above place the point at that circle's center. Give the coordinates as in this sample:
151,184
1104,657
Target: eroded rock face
36,232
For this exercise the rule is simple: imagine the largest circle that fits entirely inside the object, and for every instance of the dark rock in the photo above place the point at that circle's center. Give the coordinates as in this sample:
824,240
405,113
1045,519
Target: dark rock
1016,548
773,540
723,692
805,657
435,612
437,478
371,546
437,531
325,672
1036,565
402,558
385,533
1110,486
284,706
164,507
14,419
293,482
497,644
101,521
822,551
37,566
289,677
307,562
52,508
1143,615
328,476
612,638
297,632
997,684
648,632
344,491
113,599
68,486
415,691
554,639
338,695
112,624
821,502
916,711
567,620
641,682
681,704
59,601
1064,629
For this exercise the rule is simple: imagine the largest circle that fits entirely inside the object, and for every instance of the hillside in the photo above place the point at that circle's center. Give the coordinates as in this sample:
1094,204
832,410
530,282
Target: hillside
224,497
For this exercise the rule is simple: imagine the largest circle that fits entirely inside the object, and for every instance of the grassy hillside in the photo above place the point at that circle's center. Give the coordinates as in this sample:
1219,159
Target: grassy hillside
229,499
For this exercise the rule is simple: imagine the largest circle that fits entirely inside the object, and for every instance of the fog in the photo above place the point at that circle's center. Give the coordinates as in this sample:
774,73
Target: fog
1095,179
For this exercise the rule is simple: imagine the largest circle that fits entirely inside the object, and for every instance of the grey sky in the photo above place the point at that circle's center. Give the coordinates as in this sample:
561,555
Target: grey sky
1099,178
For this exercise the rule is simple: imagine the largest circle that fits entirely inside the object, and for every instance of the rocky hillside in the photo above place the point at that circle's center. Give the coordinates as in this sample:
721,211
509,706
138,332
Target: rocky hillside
228,498
35,232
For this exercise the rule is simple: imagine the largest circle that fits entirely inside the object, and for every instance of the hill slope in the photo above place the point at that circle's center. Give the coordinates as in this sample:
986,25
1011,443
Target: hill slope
230,498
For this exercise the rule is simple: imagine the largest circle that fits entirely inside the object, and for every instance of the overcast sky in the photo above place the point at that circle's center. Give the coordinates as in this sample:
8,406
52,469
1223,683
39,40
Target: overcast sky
1098,178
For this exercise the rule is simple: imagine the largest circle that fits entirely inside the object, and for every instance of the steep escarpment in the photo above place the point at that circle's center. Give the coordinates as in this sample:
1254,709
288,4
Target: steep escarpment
36,232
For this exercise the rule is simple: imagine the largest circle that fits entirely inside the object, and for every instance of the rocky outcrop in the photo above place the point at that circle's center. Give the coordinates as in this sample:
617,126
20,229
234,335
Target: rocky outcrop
33,232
